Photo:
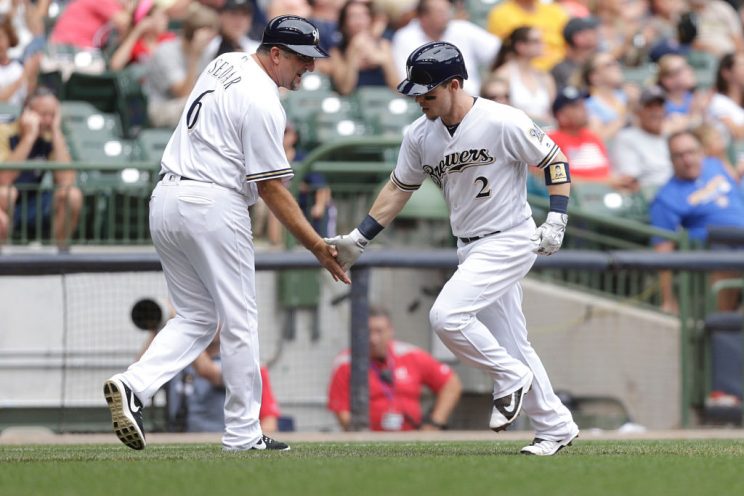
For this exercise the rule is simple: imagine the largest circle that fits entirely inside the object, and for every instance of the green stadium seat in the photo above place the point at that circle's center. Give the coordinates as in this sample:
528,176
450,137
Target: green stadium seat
9,112
427,202
131,102
77,112
478,10
602,199
643,75
98,89
151,144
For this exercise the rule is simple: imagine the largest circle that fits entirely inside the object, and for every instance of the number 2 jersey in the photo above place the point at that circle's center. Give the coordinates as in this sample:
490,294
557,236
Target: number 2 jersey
231,131
481,169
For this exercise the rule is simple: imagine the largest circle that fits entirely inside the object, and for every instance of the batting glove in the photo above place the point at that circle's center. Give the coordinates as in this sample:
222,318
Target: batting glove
549,236
350,247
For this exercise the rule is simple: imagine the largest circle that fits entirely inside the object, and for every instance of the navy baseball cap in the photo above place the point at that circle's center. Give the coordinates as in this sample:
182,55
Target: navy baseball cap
567,96
294,33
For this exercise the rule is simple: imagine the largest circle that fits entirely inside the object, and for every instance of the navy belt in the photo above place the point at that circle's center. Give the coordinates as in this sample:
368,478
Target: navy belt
162,176
476,238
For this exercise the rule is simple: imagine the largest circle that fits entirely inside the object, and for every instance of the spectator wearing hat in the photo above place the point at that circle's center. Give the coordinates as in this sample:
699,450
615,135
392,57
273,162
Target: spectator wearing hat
582,40
585,150
641,151
236,17
149,29
174,67
548,18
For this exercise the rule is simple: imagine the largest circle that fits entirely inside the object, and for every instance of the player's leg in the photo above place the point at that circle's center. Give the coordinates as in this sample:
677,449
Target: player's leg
550,418
487,269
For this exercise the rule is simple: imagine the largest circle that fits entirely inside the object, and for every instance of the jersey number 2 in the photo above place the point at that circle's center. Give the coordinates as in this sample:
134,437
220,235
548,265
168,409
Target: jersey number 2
193,114
485,191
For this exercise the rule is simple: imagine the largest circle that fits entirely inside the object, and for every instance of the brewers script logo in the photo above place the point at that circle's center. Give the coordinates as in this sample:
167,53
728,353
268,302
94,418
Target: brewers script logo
457,162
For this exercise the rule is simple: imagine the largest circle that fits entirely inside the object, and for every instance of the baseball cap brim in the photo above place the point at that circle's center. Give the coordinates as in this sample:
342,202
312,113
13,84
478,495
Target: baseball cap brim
313,51
409,88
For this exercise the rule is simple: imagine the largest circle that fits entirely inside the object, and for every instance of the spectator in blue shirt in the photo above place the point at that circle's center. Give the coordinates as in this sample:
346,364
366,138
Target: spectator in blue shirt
701,194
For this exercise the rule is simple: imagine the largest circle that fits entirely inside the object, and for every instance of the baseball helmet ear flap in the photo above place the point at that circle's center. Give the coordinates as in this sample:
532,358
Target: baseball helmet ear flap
431,65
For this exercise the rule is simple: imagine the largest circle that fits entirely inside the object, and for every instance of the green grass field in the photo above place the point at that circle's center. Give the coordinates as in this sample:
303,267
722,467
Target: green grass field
596,468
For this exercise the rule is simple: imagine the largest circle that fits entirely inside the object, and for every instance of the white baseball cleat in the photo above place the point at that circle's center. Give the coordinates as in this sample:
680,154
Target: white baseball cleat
546,447
126,412
506,409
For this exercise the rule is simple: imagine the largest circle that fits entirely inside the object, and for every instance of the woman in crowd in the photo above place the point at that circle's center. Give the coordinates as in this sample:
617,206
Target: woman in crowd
684,107
610,99
362,58
149,28
725,108
530,89
16,80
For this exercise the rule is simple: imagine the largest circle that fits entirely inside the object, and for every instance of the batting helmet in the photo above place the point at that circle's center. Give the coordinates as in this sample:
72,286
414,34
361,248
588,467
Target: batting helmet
294,33
431,65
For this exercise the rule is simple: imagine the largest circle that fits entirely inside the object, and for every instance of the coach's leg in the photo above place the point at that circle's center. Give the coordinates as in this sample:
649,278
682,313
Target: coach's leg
550,418
229,273
193,328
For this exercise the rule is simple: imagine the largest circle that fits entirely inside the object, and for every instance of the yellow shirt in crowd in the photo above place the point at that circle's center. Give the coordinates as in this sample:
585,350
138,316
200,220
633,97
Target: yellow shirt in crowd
547,17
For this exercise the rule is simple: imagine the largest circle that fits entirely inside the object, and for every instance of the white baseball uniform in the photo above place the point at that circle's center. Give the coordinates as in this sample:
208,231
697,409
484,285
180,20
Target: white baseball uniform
482,171
229,138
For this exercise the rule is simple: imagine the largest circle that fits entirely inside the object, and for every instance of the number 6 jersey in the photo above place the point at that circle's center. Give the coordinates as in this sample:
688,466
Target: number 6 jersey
481,169
231,129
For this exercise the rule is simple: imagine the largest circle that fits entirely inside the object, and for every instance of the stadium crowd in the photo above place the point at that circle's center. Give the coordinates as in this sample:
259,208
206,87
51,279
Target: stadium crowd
527,53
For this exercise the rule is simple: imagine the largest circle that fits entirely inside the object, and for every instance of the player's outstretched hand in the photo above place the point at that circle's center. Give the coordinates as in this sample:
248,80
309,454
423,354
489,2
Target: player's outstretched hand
326,255
549,236
350,247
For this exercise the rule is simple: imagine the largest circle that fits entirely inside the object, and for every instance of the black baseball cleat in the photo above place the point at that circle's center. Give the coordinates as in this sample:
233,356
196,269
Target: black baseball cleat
263,444
126,413
267,443
506,409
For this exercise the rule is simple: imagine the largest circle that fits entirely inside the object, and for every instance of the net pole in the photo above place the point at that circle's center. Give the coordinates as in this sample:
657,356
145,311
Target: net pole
359,338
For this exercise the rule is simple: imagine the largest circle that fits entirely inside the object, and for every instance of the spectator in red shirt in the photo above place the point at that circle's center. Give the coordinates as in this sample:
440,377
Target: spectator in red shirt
82,22
585,150
397,371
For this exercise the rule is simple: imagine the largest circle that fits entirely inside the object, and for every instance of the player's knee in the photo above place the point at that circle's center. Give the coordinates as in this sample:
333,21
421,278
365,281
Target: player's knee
443,319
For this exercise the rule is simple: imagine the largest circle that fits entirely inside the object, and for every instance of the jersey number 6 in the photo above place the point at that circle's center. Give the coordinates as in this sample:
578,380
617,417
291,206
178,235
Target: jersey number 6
485,191
194,109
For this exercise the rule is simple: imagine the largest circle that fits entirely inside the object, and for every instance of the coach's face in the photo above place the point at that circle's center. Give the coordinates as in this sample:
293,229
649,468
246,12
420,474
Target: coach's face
290,67
380,335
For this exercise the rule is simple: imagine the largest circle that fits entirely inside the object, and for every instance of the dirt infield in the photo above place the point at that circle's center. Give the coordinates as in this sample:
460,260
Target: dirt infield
18,436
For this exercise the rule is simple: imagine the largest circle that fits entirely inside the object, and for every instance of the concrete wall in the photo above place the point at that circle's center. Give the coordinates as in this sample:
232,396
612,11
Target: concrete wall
589,346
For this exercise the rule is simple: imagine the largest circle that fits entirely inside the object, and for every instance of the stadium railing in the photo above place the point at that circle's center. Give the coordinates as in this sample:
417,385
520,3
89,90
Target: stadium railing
80,352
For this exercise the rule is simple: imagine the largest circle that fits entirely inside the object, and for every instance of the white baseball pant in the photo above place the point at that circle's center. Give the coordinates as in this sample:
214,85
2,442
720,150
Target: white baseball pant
202,233
478,315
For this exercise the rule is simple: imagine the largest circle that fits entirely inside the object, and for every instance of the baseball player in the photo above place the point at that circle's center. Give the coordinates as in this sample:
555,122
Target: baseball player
225,152
477,151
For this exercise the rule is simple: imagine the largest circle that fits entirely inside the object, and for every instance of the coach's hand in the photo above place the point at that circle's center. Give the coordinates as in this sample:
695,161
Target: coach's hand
549,236
350,247
326,255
